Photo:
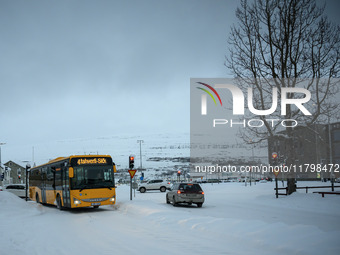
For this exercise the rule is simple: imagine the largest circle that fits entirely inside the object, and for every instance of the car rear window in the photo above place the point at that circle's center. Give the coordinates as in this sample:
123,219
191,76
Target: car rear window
15,187
190,187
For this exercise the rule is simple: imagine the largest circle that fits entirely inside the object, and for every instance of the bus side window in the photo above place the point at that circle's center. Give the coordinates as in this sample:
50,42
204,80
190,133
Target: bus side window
49,174
58,176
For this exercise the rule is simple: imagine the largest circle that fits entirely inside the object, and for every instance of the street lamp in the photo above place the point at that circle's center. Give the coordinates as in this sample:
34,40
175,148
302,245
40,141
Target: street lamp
140,152
28,167
0,151
0,161
252,154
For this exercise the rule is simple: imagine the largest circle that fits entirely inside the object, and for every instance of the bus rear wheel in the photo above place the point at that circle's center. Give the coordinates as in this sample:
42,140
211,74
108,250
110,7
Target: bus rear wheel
37,198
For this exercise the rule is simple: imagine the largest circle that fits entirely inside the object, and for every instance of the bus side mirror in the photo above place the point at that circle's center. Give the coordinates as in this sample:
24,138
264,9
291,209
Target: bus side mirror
70,172
114,168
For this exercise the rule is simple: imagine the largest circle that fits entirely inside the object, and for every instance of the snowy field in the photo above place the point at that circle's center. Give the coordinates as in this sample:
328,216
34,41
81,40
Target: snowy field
234,220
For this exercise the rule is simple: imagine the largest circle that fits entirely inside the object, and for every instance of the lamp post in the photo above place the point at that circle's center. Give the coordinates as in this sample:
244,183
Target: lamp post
330,151
28,167
0,151
140,153
253,160
0,163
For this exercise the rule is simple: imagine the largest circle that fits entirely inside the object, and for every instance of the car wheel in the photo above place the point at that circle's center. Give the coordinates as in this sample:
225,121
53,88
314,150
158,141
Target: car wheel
37,198
142,190
167,199
59,206
199,204
163,189
174,203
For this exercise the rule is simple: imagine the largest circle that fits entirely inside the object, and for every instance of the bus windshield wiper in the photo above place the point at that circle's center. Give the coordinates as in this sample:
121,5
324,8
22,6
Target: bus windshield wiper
84,187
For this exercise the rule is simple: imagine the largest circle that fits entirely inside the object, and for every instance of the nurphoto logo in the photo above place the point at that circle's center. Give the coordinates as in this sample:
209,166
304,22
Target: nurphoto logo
238,105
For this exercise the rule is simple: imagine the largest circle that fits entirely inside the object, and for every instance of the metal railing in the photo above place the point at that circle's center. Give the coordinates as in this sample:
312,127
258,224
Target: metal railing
306,188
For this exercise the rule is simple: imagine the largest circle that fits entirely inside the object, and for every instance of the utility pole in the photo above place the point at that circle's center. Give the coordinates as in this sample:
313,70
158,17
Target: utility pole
33,155
28,167
330,150
3,180
140,152
0,151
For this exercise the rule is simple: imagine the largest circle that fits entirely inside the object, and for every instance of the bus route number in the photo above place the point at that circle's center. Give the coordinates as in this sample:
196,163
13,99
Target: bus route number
83,161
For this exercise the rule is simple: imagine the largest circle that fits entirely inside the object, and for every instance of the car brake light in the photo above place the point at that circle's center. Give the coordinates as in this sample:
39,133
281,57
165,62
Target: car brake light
202,192
178,192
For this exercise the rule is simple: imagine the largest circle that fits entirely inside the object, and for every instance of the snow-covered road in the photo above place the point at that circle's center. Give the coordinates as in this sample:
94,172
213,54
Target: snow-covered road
234,220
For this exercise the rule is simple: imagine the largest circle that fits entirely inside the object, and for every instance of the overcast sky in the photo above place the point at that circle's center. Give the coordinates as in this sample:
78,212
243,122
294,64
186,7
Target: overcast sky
77,69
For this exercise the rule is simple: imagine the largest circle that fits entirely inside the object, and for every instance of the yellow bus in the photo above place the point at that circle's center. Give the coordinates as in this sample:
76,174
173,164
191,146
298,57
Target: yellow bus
74,181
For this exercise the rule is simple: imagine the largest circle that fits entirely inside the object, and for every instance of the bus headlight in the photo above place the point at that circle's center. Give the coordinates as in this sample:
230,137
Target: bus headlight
112,199
76,201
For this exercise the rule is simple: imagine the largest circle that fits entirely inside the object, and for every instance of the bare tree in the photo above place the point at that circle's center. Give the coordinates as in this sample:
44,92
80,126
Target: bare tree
285,43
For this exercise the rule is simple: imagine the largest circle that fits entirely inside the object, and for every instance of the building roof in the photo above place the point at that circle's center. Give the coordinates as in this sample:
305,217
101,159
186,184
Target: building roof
17,162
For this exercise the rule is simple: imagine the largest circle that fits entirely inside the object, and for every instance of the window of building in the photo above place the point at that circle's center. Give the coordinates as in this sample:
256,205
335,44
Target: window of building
336,150
336,135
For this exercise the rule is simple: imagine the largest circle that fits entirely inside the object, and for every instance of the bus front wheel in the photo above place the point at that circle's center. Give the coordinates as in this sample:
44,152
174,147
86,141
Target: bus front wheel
59,206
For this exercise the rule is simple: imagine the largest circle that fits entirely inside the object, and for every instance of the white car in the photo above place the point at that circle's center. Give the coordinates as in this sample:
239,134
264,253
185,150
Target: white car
17,189
154,185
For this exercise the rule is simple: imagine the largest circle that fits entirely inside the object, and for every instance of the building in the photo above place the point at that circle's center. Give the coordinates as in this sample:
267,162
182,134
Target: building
335,138
14,173
312,147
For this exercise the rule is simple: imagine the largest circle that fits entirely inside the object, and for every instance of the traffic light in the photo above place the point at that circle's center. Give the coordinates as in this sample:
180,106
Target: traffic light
19,176
131,162
178,173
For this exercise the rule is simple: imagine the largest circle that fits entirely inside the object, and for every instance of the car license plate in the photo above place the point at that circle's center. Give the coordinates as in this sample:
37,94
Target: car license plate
191,195
95,203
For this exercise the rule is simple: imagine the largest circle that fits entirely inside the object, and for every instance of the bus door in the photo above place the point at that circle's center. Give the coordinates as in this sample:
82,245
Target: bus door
66,187
43,185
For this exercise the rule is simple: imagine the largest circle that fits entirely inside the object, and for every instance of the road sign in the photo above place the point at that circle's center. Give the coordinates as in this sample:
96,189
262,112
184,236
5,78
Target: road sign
141,178
135,185
132,173
276,171
274,155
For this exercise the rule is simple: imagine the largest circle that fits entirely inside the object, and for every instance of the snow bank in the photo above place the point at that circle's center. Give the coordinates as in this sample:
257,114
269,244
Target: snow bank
234,220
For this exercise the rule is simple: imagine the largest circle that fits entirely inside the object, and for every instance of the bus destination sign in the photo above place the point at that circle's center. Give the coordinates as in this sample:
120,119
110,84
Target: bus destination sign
90,161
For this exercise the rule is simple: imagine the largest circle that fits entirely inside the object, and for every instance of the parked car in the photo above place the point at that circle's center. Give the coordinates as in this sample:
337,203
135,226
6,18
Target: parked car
17,189
154,185
213,181
190,193
337,180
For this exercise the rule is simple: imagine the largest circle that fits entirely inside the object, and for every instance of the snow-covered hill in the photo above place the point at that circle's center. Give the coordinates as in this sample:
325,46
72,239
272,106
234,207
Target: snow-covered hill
161,153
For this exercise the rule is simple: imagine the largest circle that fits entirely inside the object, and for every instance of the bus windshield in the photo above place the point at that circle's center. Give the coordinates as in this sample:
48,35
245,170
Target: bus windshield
92,177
